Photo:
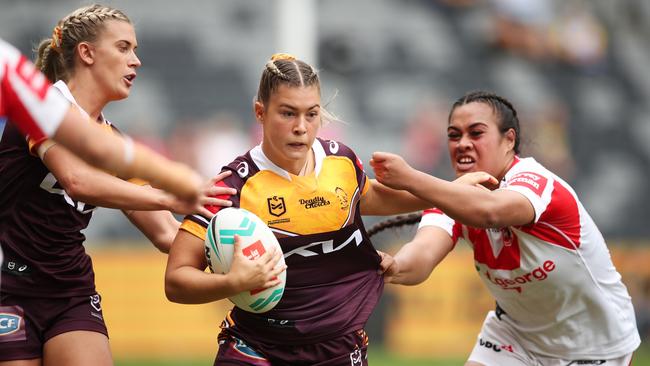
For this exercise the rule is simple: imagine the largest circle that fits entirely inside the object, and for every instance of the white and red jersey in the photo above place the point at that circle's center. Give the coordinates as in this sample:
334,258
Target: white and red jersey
554,278
26,96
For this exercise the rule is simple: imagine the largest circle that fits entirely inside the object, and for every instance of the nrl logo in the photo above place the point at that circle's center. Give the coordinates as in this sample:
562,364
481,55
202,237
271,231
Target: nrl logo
276,206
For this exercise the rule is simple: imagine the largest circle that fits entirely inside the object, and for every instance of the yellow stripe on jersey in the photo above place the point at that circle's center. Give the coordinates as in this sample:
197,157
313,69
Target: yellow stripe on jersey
305,204
194,229
366,187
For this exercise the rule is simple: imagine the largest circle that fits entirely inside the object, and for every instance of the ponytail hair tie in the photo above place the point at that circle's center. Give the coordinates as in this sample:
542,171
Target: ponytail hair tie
57,38
283,56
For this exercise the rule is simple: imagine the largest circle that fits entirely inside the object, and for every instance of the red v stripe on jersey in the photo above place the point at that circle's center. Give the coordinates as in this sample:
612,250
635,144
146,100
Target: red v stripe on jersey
564,227
509,258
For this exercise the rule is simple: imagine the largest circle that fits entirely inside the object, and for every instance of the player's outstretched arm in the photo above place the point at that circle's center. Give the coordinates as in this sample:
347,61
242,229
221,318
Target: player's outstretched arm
124,157
466,203
415,261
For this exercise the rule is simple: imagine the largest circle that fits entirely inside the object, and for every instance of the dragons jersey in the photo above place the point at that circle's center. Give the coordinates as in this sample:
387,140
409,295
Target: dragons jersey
40,225
554,278
26,96
332,284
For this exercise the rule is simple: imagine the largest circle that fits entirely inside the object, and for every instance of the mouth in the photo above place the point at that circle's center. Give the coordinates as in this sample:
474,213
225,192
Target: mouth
297,145
128,79
465,163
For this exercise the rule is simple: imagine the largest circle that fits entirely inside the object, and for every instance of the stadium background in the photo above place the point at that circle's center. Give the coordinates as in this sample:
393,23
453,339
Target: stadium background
576,70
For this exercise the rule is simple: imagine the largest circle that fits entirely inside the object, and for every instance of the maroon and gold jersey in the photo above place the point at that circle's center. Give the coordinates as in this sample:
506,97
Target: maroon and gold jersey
332,283
40,224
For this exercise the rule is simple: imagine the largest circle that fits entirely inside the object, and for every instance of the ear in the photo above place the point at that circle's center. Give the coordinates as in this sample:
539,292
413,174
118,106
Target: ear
86,53
258,109
511,136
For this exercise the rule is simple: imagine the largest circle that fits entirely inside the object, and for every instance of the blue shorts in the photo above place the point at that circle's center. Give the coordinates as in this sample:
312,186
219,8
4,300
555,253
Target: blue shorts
26,323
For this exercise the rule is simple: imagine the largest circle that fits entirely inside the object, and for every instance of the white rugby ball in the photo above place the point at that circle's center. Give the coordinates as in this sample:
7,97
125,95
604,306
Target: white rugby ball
256,239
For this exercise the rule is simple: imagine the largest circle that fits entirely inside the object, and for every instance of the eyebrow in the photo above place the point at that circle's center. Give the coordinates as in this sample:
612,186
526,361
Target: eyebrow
470,126
128,43
284,105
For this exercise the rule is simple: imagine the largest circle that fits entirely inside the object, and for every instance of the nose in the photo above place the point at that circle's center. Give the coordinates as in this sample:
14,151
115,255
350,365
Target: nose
135,61
300,127
464,143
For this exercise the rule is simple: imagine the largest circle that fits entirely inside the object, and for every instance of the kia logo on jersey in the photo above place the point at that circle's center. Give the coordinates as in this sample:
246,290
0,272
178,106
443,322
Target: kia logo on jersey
276,206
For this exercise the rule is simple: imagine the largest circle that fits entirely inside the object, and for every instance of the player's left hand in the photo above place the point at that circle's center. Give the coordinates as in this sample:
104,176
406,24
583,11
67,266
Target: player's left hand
481,180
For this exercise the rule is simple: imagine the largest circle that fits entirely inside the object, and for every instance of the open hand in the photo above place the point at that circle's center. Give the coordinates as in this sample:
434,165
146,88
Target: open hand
254,273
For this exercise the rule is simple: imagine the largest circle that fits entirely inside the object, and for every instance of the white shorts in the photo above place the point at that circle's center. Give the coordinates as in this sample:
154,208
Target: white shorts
498,345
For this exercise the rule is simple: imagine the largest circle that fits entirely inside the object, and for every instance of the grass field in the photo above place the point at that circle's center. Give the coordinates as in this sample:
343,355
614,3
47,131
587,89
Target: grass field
376,358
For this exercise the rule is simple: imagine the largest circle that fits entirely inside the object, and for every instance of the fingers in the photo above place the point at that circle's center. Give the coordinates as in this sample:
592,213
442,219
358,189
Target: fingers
213,201
219,191
379,156
219,177
201,210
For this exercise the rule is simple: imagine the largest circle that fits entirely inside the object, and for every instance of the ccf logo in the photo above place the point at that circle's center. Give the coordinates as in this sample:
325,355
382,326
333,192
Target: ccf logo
9,323
276,206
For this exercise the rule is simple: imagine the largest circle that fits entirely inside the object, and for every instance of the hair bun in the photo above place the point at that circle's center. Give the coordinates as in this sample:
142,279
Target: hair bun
283,56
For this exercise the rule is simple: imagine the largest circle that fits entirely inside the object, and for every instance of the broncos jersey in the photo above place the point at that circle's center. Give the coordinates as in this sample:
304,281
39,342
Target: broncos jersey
332,284
40,224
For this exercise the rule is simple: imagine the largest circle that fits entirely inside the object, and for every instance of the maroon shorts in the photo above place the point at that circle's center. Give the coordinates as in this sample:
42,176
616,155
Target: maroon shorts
26,323
347,350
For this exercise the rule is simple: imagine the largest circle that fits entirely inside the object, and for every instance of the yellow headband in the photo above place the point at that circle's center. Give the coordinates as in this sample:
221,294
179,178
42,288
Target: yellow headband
283,56
57,38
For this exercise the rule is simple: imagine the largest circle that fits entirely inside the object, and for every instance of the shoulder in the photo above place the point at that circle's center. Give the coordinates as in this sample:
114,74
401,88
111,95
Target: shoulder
332,147
528,173
242,167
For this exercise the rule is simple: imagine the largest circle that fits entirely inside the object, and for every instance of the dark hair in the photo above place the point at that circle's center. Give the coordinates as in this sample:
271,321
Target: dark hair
284,69
395,222
502,108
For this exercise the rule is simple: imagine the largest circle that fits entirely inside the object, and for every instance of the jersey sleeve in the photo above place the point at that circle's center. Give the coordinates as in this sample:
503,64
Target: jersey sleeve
27,97
338,148
435,217
533,183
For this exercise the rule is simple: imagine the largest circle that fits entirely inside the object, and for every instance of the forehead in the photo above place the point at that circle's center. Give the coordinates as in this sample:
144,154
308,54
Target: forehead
472,113
118,30
299,97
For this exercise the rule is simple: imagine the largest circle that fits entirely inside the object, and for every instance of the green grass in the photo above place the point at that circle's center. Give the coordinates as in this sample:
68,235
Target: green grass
375,358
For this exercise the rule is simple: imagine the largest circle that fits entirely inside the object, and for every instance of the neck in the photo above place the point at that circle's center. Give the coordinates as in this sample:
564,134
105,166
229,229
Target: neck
87,95
510,159
308,167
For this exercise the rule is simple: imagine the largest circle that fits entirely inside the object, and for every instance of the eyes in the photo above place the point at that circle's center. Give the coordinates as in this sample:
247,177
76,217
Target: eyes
124,47
455,135
310,115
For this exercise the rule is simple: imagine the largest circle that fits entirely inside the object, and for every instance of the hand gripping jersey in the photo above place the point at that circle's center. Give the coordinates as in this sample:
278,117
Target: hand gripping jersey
554,278
332,283
26,96
40,224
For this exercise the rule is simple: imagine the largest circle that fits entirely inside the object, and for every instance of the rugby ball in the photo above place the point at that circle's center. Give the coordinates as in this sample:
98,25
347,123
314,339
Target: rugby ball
256,239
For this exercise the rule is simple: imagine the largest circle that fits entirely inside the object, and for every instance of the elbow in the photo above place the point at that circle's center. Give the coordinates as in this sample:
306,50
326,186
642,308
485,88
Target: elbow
76,187
172,291
163,243
486,217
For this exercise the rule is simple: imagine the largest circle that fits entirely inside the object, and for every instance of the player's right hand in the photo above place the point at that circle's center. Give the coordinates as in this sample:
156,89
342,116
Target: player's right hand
388,267
391,170
254,273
